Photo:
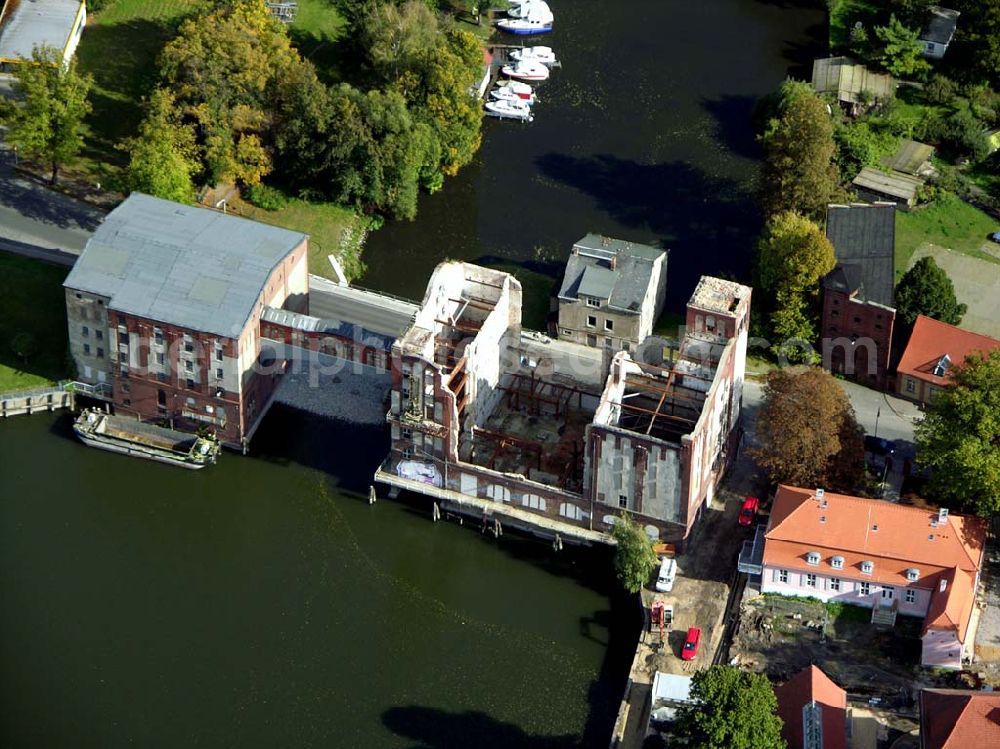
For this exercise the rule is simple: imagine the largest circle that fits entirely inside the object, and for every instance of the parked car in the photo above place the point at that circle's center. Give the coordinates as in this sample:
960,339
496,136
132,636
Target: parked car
995,236
749,510
878,445
666,575
691,643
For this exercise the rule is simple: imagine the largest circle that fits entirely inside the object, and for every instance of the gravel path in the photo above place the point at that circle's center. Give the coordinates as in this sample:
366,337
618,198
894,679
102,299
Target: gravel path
351,392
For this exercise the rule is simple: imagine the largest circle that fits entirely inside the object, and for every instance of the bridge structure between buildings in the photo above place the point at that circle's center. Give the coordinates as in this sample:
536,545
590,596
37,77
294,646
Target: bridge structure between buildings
337,358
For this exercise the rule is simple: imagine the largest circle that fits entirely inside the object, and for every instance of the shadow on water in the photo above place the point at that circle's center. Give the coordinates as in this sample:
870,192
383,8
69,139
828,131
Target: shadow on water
431,728
347,453
696,214
734,123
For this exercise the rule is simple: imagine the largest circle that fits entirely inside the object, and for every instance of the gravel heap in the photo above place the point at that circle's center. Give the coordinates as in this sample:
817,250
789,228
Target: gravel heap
354,394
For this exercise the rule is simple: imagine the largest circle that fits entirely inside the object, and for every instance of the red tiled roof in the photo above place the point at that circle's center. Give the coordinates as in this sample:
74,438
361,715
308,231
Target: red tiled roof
892,536
959,719
931,340
807,686
952,607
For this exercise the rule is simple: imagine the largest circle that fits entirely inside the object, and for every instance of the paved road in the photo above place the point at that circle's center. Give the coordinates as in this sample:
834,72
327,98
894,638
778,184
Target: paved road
895,417
878,414
34,216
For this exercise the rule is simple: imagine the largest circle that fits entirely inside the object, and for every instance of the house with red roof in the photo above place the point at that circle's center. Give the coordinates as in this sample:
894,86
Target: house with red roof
811,705
959,719
934,349
880,555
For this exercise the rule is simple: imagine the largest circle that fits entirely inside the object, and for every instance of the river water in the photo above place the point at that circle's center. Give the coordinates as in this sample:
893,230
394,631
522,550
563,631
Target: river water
263,602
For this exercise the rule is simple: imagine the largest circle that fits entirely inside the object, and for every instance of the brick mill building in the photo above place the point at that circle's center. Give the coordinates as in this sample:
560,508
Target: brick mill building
859,312
503,423
164,309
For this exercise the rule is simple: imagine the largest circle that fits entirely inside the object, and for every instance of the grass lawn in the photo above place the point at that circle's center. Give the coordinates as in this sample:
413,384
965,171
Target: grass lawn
33,303
948,222
843,15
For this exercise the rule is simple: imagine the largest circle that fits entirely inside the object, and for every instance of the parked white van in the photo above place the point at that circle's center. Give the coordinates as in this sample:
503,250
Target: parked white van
665,578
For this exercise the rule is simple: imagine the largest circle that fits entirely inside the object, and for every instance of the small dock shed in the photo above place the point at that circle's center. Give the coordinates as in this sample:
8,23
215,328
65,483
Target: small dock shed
876,185
912,158
850,81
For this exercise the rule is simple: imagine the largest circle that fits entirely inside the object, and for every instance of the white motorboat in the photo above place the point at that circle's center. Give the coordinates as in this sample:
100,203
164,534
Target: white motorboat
535,19
505,93
544,55
527,70
524,27
509,110
522,89
525,8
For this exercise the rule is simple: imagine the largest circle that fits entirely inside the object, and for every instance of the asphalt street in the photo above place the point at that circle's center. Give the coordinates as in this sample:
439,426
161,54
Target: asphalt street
33,216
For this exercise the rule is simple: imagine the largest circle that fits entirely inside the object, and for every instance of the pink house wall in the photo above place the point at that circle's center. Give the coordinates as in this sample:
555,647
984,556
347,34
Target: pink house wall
850,590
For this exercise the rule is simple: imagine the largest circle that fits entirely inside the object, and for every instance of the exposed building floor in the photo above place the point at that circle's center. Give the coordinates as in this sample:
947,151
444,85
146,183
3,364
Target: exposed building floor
544,447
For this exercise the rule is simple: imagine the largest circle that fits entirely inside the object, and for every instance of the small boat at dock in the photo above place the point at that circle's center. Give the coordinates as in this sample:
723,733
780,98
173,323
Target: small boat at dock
544,55
527,70
509,110
505,93
532,17
144,440
525,26
522,89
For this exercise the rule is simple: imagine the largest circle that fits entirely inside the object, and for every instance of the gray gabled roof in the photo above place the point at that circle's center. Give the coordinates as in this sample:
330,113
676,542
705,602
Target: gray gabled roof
616,271
191,267
863,237
941,26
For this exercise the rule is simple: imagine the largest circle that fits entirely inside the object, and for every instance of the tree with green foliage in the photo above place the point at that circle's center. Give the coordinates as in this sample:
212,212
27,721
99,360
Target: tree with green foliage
807,433
163,157
925,289
376,152
913,13
634,555
959,438
902,52
48,124
731,709
793,254
23,345
433,69
799,172
977,41
862,144
223,68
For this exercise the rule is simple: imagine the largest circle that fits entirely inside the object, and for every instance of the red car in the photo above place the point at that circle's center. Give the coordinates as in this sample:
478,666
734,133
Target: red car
691,643
749,510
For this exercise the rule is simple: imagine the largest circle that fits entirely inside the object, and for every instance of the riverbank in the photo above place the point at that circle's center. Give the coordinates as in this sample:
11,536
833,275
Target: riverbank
33,345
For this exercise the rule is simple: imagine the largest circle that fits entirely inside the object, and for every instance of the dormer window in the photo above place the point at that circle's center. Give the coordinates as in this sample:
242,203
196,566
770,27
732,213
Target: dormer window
913,574
837,563
867,567
941,368
812,557
593,301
